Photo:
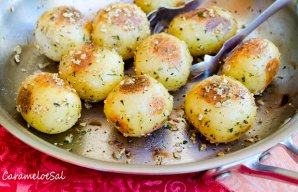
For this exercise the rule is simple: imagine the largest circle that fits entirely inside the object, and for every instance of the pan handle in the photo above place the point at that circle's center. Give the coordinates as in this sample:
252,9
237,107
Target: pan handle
253,167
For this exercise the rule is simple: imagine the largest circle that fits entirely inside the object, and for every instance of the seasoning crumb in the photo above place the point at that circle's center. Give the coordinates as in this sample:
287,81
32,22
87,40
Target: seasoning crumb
118,154
177,144
68,138
260,102
250,140
291,105
43,65
83,124
179,150
76,61
17,58
18,51
220,154
88,105
18,108
173,127
203,147
201,116
158,160
193,138
176,155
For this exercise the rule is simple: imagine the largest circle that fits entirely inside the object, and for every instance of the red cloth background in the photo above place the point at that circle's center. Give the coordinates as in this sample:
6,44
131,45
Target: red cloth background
19,158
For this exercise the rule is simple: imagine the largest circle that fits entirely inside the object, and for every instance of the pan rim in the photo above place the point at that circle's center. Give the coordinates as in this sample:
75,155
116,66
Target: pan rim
43,146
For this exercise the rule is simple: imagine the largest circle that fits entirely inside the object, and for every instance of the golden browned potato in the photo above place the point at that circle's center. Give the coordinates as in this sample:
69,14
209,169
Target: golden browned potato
204,30
254,63
121,26
151,5
138,106
61,29
165,58
48,104
92,70
221,108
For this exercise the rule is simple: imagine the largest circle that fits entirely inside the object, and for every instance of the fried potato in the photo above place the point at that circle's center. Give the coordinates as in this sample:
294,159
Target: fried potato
138,106
221,108
48,104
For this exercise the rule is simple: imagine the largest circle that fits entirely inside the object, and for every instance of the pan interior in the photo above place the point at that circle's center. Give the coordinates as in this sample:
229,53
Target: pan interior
98,139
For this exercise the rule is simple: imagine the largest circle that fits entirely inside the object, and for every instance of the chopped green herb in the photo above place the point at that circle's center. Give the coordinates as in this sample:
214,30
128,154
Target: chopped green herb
243,79
56,104
201,14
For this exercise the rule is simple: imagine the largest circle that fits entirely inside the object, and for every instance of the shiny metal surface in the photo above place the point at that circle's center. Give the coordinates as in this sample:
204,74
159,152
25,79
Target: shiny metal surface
93,145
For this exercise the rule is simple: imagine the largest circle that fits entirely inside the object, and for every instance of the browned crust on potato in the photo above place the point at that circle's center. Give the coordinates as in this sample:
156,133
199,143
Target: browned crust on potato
216,92
121,124
157,105
166,48
25,99
120,14
251,48
48,80
271,69
134,84
200,14
88,27
82,58
45,80
64,15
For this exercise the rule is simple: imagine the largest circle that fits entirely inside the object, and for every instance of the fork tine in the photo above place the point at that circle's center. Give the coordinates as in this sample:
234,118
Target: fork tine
152,14
153,22
152,18
158,28
199,68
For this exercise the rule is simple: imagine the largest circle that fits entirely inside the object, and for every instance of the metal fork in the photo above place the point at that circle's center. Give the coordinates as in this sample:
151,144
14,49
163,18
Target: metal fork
160,18
211,65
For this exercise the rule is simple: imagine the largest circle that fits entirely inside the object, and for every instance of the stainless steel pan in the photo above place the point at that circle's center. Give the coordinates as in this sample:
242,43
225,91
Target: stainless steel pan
173,149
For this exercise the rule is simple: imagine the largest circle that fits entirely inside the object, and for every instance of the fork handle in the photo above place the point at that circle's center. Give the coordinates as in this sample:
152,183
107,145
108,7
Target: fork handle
237,39
271,10
234,41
